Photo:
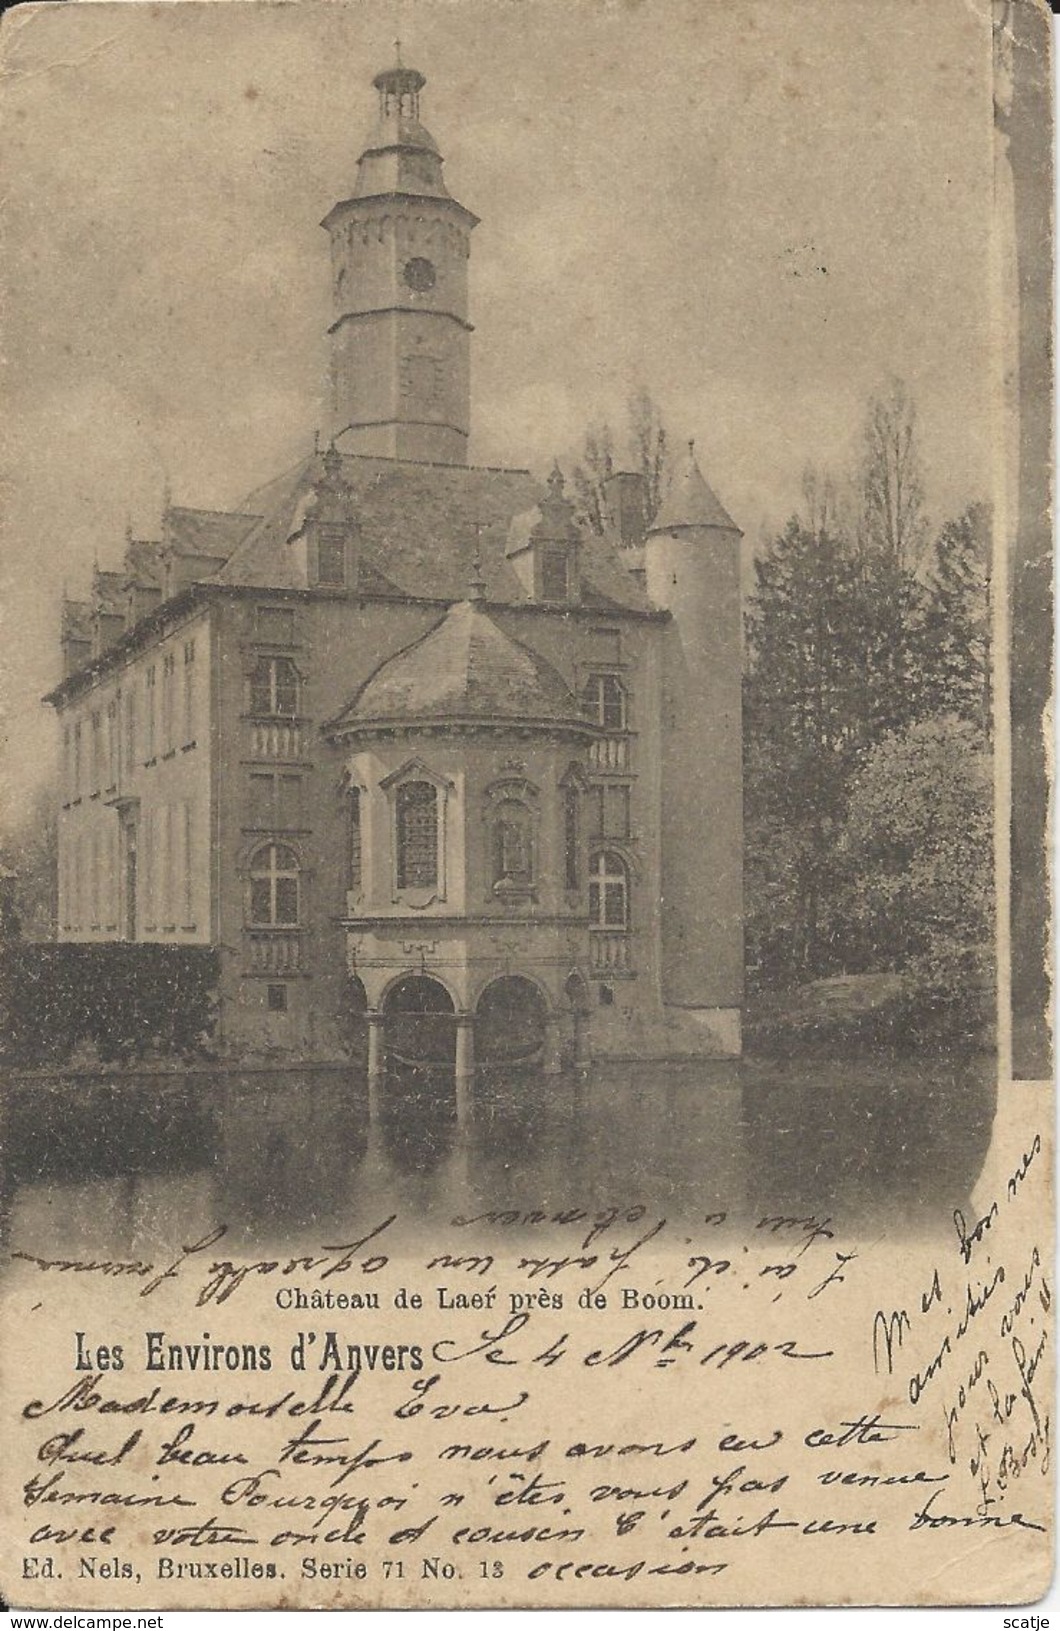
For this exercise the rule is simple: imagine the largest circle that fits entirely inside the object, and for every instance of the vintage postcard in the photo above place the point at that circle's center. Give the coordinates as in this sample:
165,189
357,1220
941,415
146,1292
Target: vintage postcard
524,971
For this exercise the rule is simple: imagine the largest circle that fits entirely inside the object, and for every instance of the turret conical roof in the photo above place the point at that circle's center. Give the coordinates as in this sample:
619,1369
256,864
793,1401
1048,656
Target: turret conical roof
689,501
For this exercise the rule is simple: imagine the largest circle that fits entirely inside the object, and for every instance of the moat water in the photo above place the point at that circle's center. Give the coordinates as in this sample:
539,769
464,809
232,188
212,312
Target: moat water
122,1167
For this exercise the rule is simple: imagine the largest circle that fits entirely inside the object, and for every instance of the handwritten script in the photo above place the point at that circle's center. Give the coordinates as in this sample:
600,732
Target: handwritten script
545,1406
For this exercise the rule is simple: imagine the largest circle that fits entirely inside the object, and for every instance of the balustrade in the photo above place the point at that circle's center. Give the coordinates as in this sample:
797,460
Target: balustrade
274,951
275,739
609,753
610,951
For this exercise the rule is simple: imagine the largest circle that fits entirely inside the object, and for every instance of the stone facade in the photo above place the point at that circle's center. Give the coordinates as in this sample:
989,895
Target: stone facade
398,731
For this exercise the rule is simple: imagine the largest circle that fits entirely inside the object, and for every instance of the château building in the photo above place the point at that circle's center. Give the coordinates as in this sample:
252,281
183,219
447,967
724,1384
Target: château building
398,734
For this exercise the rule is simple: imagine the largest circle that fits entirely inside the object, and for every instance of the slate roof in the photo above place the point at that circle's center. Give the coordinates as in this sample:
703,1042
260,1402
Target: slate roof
108,592
143,562
465,670
689,502
419,525
205,532
76,621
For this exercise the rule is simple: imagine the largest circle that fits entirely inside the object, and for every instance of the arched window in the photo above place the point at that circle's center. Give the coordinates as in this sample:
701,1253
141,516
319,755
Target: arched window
353,839
571,836
274,687
604,701
513,856
608,892
274,887
417,835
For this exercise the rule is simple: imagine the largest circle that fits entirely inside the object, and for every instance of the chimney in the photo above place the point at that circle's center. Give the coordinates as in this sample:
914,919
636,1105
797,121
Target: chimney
108,610
76,635
626,502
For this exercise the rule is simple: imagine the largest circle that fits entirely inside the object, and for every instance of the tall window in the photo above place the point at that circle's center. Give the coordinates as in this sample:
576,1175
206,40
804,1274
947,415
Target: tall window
187,865
604,701
189,692
608,892
164,873
554,574
274,886
149,870
77,760
130,729
113,742
417,835
274,687
169,681
96,759
513,865
571,837
93,880
331,556
353,840
150,715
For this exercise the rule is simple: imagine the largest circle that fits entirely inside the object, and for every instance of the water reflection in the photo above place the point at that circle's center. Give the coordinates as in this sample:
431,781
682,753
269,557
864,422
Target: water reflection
127,1167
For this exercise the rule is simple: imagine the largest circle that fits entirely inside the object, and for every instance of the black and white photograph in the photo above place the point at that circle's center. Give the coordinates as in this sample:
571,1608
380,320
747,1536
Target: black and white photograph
527,572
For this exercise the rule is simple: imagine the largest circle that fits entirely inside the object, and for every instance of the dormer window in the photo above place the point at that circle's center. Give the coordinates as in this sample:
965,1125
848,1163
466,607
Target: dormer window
544,545
331,528
331,557
555,574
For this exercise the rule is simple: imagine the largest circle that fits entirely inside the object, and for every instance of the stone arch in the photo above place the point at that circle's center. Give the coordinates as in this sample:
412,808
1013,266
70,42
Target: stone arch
399,995
419,1038
418,1023
511,1016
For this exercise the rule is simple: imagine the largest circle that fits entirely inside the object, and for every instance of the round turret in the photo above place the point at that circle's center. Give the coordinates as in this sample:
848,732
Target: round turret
692,571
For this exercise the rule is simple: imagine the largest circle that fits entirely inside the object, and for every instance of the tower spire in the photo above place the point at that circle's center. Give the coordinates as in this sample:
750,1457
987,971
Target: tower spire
400,337
476,584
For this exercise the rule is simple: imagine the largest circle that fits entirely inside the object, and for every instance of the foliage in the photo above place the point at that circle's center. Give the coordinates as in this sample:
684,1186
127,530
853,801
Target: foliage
29,853
952,633
892,529
917,855
120,1002
644,447
867,681
801,704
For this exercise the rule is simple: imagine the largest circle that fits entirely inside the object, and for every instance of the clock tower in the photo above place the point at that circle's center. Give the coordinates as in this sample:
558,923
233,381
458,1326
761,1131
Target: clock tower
400,337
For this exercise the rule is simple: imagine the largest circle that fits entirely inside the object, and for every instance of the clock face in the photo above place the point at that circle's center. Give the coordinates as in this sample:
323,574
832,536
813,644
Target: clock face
419,274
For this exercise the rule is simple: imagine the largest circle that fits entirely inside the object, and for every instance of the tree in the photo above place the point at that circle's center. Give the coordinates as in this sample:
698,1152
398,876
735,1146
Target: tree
644,446
801,732
590,477
858,629
29,852
892,527
647,435
952,634
917,853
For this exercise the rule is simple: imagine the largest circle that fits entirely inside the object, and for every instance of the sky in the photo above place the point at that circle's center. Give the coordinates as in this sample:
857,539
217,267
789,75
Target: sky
761,210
